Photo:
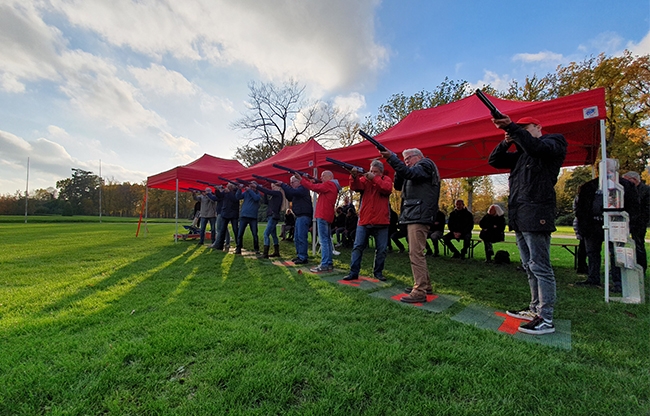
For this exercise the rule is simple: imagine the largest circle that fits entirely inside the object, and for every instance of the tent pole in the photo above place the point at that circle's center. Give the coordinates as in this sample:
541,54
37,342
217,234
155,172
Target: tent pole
27,190
314,225
146,208
603,187
176,232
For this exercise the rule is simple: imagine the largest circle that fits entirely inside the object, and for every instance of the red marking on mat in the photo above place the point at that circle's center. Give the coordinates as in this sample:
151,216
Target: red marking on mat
510,325
398,297
357,282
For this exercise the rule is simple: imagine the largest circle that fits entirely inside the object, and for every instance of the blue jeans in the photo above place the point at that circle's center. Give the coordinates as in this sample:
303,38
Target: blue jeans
271,230
220,225
325,239
535,252
223,232
213,231
361,242
243,223
301,232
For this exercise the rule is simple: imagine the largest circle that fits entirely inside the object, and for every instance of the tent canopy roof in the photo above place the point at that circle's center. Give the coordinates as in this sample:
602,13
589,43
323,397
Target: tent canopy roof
205,168
460,136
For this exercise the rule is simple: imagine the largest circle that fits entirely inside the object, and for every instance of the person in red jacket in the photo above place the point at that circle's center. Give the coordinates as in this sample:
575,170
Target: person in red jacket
374,217
328,192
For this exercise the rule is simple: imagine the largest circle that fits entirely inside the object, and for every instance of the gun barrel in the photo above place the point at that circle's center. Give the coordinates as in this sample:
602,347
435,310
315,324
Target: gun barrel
290,170
372,140
486,101
264,178
345,165
227,180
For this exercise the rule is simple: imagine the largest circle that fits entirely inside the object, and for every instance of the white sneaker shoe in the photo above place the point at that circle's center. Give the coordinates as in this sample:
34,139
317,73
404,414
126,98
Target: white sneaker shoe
336,253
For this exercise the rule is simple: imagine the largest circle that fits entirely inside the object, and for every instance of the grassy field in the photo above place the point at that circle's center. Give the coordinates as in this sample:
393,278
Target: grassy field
96,321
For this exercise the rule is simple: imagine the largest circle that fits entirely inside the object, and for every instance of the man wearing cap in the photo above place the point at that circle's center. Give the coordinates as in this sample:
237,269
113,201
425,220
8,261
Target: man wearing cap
639,224
208,213
534,165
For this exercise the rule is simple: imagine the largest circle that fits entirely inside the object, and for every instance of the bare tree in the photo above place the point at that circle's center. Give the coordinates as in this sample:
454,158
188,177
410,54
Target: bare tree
280,116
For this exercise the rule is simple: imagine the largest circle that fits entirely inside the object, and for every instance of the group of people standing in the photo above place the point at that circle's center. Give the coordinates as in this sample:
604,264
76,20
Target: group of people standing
532,158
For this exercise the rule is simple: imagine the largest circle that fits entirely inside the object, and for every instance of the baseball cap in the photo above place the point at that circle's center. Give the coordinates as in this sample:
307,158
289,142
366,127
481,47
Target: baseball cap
528,120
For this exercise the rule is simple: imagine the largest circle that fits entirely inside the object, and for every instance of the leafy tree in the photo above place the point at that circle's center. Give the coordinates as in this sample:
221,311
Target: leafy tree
81,190
280,116
626,80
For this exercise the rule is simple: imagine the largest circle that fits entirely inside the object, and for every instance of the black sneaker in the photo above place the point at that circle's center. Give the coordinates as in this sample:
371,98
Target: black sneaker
351,277
525,314
410,289
380,277
538,326
298,261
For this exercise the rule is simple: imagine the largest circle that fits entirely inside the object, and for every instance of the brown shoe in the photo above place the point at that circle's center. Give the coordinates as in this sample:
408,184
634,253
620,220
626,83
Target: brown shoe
410,288
413,299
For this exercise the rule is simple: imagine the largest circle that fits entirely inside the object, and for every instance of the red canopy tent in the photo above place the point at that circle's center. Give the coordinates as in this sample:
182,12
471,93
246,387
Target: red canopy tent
205,168
460,136
303,157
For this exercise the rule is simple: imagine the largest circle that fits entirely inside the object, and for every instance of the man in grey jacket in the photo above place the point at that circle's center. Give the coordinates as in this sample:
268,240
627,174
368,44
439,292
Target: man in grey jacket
534,166
418,179
208,213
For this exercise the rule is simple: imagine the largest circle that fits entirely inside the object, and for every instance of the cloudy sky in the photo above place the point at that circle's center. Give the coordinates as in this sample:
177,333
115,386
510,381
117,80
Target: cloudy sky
146,85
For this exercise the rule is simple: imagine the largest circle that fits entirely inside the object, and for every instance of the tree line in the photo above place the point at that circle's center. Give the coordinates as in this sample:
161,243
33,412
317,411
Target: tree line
280,116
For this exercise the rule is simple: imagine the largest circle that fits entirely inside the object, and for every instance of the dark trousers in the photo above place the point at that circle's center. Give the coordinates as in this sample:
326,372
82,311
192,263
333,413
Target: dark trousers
466,241
243,223
223,230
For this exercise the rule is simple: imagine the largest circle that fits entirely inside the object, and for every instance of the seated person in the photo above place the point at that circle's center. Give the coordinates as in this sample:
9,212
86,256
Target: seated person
338,226
461,223
493,225
351,220
436,232
286,232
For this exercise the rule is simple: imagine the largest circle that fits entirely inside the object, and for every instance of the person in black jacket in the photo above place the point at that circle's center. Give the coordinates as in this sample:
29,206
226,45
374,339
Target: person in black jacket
418,179
493,225
273,198
303,210
639,224
534,165
589,212
461,223
230,214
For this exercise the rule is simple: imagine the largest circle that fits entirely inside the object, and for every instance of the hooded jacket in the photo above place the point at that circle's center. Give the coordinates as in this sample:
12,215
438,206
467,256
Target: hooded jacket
534,167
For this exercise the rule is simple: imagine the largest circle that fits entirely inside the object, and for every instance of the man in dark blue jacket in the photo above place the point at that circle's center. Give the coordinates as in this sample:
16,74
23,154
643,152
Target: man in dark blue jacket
248,215
303,210
534,166
229,214
273,198
461,223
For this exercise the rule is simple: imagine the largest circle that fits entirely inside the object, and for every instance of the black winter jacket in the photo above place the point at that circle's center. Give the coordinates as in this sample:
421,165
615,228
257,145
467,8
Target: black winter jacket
534,167
420,186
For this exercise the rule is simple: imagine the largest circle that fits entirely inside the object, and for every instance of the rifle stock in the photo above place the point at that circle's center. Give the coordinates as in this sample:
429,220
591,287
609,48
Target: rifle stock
493,110
345,165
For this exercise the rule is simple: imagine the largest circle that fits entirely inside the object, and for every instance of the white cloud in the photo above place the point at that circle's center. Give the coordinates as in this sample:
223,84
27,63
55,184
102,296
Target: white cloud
351,103
29,47
498,82
182,146
321,42
544,56
641,48
609,43
163,81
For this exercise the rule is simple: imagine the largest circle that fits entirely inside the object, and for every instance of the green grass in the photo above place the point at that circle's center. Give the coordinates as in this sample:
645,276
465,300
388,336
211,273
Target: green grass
96,321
